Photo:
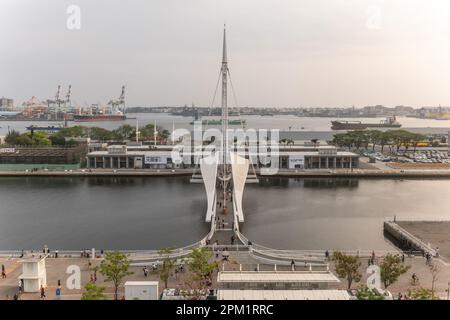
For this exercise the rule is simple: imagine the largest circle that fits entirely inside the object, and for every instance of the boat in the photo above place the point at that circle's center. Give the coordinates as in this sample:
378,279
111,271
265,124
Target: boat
218,122
48,128
98,117
390,122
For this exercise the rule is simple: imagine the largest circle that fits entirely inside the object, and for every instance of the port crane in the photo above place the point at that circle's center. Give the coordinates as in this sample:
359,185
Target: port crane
119,103
54,105
67,101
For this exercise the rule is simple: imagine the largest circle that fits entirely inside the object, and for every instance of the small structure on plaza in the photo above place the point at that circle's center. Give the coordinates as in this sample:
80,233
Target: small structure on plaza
276,280
141,290
34,273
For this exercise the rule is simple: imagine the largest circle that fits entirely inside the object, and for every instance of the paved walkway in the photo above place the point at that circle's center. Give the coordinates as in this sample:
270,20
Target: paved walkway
224,234
56,270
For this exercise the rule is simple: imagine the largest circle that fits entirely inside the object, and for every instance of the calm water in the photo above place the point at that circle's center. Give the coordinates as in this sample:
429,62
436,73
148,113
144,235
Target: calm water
338,213
149,213
280,122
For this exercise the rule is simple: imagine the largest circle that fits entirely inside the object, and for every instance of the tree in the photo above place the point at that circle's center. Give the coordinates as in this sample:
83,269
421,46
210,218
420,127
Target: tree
416,139
385,139
199,264
100,134
124,132
434,271
57,140
347,267
115,268
365,293
422,294
11,137
73,132
93,292
290,142
24,140
391,269
165,270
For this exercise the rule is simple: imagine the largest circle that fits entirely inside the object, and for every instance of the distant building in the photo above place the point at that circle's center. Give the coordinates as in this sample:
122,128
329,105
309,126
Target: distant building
6,104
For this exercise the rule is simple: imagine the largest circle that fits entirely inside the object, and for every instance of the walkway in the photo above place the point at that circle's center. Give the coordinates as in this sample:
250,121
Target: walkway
224,221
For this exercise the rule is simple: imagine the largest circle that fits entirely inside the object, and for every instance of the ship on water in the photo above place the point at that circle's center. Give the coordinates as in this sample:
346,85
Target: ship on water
213,122
50,129
99,117
115,111
390,122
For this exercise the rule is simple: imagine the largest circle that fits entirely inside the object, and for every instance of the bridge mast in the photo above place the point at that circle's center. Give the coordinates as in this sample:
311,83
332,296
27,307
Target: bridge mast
224,105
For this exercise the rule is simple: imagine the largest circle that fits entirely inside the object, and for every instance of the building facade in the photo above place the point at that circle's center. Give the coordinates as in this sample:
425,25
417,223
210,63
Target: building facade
145,157
6,104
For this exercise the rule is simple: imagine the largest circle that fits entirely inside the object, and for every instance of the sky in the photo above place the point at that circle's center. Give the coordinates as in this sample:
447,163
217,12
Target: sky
290,53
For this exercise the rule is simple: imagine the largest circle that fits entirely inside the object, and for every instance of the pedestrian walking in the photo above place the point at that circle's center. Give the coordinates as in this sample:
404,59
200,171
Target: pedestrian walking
42,292
3,271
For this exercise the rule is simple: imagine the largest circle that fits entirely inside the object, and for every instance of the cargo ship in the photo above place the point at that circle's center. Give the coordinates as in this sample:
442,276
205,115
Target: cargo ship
98,117
390,122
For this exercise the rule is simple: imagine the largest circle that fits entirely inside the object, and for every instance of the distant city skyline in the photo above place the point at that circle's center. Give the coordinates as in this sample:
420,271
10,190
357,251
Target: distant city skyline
322,53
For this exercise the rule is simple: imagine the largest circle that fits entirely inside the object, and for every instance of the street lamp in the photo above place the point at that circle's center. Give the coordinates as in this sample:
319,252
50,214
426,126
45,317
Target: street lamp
448,290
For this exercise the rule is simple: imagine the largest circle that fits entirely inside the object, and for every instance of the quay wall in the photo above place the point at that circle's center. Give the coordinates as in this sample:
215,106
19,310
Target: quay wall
406,240
360,173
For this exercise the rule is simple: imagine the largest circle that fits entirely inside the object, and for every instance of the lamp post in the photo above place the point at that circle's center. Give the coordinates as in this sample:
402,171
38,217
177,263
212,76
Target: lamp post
448,290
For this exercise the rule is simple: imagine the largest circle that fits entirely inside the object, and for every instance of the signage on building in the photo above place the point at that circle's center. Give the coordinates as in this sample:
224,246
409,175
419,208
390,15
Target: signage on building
7,150
296,162
149,159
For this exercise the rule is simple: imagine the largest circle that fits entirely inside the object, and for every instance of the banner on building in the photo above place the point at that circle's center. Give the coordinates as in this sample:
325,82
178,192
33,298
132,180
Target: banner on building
296,162
149,159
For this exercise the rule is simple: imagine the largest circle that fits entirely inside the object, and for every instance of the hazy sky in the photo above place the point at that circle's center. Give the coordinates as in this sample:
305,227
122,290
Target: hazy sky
282,53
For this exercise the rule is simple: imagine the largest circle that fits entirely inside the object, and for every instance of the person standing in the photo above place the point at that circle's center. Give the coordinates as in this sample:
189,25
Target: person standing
58,293
3,271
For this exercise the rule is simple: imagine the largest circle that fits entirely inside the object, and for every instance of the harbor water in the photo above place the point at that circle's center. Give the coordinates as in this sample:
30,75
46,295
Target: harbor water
154,212
281,122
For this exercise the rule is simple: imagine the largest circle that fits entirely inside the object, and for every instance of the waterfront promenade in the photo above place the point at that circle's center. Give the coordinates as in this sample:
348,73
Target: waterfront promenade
56,270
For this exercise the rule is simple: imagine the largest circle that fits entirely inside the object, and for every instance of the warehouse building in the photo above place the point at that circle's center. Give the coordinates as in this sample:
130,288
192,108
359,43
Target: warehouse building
146,157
